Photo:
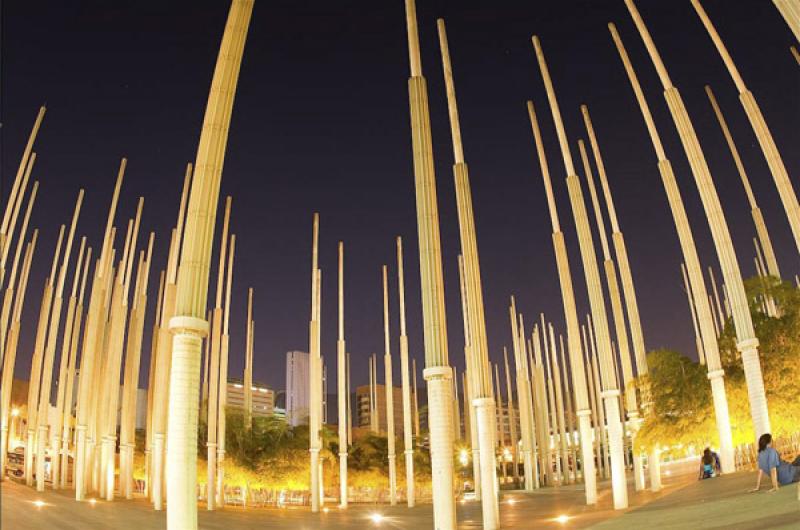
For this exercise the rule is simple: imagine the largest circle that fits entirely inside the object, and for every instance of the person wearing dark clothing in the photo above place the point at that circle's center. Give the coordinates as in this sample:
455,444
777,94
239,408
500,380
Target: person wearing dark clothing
706,465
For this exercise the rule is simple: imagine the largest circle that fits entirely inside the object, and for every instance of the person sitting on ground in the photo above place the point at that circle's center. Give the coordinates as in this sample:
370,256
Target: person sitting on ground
706,465
717,463
769,463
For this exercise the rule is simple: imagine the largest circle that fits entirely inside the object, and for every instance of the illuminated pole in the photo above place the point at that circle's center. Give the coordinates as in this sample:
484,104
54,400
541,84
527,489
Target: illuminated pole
539,408
596,298
483,398
69,385
469,389
373,424
315,373
620,249
107,412
764,137
571,318
11,347
553,459
416,400
163,353
619,318
570,412
790,9
555,375
717,301
700,352
597,446
501,439
523,398
695,275
408,441
6,239
349,400
389,388
223,378
132,364
512,418
598,389
747,343
628,291
437,373
341,381
456,407
755,211
15,199
215,382
188,325
248,363
37,362
7,316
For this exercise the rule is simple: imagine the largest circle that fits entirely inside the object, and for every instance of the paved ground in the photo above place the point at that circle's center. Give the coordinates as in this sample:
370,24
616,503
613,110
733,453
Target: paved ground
722,502
719,503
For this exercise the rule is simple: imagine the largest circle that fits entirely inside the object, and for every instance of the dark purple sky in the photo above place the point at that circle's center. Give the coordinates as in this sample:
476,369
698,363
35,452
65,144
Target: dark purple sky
321,123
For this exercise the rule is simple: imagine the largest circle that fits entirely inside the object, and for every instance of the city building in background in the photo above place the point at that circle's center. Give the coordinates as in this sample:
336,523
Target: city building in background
263,398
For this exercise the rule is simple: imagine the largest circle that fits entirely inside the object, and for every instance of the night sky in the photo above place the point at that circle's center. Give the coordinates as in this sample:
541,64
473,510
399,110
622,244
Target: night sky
321,123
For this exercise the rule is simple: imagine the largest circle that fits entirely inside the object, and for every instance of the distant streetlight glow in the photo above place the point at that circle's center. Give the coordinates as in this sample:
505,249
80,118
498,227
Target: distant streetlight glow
463,457
376,518
38,503
562,519
15,412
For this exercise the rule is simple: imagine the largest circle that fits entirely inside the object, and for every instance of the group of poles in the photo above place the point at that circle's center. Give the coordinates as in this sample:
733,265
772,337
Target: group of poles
574,413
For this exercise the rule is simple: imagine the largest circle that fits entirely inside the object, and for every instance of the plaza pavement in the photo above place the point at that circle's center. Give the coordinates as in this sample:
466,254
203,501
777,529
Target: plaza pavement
684,503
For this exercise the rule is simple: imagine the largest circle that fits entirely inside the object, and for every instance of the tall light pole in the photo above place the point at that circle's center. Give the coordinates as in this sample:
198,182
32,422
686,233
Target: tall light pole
596,298
747,343
188,324
437,373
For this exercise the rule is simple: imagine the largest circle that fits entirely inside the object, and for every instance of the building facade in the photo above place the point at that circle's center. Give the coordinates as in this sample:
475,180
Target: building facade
297,388
263,398
362,411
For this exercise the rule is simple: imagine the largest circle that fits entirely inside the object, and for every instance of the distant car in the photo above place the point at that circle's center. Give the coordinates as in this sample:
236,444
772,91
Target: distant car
16,463
469,496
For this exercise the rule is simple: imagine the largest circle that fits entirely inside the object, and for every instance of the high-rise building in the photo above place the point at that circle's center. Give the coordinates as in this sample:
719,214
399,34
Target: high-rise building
362,411
263,398
504,424
297,388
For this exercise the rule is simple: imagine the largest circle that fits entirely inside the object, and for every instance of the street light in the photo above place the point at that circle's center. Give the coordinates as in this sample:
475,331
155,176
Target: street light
463,457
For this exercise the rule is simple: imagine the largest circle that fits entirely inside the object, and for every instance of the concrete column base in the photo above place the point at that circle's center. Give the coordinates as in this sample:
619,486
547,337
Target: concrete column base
55,461
440,414
108,466
211,485
41,448
29,442
485,414
220,478
187,341
726,459
80,462
158,471
654,460
315,482
619,482
410,491
587,456
343,480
